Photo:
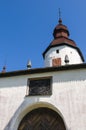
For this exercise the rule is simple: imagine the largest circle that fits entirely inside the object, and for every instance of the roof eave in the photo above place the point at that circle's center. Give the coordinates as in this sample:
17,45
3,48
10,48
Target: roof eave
43,70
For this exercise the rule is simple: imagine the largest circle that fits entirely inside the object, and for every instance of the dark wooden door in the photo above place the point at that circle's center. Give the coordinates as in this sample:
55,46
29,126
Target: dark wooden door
42,119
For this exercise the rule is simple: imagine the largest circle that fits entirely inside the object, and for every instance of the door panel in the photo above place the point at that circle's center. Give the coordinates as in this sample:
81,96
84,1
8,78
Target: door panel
42,119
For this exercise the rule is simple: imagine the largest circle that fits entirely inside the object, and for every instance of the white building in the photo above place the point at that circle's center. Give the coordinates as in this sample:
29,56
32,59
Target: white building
49,98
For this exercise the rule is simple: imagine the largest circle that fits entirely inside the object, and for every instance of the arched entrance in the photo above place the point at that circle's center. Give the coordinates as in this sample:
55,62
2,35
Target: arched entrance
42,119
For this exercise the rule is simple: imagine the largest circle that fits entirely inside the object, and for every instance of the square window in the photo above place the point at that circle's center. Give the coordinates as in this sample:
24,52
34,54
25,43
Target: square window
57,51
40,86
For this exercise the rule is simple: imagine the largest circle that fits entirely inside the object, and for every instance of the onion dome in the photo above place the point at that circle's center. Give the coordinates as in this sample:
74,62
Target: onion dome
61,35
60,30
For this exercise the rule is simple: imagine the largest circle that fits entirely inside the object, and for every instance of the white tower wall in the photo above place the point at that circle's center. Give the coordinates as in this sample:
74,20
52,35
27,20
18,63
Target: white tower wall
72,53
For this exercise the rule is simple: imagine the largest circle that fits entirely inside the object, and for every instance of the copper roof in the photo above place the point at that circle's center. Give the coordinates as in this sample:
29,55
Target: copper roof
62,30
61,26
61,40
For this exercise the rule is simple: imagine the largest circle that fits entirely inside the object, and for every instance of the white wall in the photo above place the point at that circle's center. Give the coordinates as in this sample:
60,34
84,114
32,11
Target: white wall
12,92
74,57
68,98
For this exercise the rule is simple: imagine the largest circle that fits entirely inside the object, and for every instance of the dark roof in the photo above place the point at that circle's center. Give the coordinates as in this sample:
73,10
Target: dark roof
61,40
60,28
43,70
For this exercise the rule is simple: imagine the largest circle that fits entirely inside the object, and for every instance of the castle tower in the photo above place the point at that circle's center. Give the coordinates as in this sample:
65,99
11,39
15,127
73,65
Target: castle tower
62,50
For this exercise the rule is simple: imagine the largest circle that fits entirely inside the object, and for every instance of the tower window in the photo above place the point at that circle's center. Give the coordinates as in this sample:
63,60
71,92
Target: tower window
57,51
56,62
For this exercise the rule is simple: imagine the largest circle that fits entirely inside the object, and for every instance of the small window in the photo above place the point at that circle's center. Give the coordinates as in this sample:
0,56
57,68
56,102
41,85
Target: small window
56,62
39,86
57,51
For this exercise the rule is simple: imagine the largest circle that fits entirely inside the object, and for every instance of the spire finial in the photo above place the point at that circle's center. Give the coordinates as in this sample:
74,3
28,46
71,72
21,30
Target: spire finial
60,20
59,13
4,69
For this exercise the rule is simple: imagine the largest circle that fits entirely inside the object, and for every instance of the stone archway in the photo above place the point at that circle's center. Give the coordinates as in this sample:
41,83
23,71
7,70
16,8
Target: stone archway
42,119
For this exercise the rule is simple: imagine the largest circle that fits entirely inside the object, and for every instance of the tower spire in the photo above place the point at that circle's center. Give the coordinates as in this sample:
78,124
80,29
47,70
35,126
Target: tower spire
60,20
59,13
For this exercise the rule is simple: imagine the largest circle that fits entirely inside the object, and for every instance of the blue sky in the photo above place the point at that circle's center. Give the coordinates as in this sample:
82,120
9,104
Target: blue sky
26,28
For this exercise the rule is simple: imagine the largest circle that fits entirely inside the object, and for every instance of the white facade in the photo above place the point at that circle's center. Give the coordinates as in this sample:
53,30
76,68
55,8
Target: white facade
73,55
67,99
